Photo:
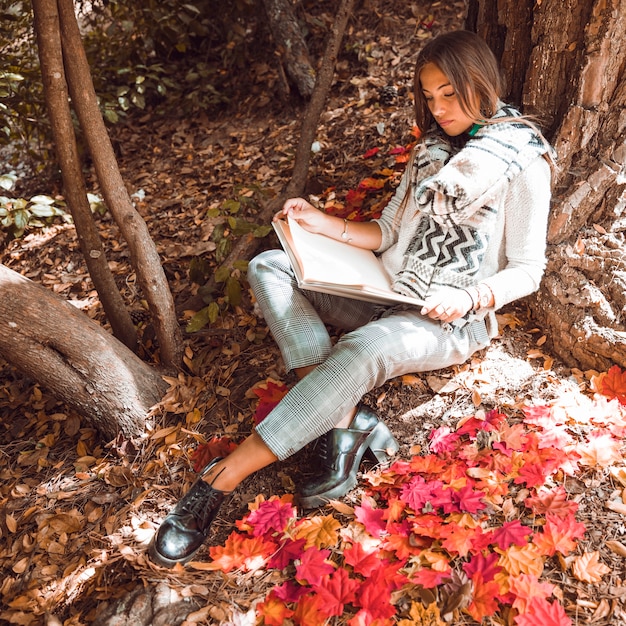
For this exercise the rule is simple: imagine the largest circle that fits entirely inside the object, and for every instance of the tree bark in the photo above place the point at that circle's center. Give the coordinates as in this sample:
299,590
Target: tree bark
290,44
574,79
56,95
144,256
80,363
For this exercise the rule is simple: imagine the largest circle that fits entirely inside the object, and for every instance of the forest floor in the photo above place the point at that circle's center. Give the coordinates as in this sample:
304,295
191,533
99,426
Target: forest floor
77,512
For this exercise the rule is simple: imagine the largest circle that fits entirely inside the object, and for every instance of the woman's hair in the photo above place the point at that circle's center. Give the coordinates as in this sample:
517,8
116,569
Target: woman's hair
471,68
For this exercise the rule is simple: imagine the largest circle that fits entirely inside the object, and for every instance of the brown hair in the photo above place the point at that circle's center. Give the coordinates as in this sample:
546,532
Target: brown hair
471,68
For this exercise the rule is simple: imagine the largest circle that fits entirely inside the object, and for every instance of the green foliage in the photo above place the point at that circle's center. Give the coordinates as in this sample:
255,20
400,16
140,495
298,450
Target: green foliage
18,214
23,119
227,286
167,56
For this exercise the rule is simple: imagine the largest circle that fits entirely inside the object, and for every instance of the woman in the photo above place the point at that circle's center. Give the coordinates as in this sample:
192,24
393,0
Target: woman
465,232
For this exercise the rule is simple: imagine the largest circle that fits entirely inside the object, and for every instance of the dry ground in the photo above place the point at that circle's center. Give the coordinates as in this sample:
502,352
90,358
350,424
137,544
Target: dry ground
77,511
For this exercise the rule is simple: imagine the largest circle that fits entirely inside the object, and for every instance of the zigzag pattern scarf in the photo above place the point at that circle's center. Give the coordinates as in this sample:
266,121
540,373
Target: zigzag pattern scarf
457,196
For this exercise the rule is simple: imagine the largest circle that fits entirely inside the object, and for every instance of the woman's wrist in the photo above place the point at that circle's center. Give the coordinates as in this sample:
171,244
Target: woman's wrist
345,236
481,296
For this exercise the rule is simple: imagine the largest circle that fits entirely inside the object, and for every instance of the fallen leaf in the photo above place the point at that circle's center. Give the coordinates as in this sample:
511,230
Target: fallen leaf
588,568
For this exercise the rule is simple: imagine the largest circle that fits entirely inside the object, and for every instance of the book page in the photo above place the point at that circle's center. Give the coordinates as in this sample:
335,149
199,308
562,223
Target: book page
325,260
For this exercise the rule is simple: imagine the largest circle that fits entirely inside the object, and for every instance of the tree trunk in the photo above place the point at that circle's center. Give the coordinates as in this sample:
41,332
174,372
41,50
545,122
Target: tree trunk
572,74
143,254
57,102
290,44
80,363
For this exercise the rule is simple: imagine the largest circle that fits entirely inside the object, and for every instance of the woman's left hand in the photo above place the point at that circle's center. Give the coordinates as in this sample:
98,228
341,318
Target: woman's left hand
447,305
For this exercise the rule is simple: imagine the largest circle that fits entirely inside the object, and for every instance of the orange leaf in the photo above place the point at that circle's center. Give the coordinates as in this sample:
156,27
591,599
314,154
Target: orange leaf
521,560
318,531
613,384
273,611
588,568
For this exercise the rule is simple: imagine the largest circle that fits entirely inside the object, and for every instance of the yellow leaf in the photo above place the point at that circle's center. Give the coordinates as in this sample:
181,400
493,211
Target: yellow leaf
319,531
588,568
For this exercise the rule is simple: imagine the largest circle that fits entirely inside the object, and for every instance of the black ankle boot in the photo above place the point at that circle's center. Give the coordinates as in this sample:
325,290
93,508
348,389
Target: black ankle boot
340,453
184,530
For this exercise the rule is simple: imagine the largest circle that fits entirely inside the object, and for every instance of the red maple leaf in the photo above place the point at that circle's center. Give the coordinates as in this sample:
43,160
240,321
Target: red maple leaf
371,152
269,394
206,452
429,466
551,501
362,562
526,588
510,533
272,516
484,602
240,551
491,422
486,565
374,597
307,611
613,384
314,566
371,518
417,492
469,499
540,611
443,439
290,591
287,553
532,475
354,199
335,591
273,611
559,535
457,539
429,578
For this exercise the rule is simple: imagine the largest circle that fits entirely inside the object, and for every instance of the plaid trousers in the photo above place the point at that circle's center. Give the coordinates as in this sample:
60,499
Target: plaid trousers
380,343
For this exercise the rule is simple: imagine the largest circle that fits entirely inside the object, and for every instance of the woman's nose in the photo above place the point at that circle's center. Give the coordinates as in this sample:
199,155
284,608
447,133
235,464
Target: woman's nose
438,107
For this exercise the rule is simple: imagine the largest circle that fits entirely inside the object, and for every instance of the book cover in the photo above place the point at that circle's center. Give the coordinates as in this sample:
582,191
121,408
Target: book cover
336,267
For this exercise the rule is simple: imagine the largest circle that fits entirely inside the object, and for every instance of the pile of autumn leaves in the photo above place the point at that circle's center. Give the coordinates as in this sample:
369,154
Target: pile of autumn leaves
465,529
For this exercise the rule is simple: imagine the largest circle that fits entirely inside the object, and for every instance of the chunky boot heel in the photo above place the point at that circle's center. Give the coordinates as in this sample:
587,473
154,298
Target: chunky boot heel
383,445
184,530
340,453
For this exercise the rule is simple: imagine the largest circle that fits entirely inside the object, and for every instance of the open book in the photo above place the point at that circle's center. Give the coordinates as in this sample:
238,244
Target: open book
336,267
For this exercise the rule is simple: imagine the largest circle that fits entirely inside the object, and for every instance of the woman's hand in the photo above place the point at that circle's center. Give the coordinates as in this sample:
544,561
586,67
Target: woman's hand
305,214
447,305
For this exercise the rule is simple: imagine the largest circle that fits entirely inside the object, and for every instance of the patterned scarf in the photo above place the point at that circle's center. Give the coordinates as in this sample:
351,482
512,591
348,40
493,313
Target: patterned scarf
457,196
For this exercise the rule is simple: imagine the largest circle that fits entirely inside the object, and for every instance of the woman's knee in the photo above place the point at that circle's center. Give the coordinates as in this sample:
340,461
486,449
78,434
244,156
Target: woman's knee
267,262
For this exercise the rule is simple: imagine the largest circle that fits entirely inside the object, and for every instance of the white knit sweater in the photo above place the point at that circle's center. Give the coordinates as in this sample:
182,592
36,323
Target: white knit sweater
514,259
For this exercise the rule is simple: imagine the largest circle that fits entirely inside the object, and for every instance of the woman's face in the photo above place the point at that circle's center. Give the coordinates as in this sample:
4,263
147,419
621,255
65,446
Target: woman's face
443,101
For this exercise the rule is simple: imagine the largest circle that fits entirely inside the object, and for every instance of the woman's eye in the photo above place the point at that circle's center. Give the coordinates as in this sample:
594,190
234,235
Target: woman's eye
450,95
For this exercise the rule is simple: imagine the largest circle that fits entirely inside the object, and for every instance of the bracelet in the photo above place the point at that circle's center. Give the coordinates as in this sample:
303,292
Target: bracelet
344,234
474,300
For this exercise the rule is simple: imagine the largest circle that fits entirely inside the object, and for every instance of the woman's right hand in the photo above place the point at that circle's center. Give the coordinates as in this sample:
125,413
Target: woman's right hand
305,214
